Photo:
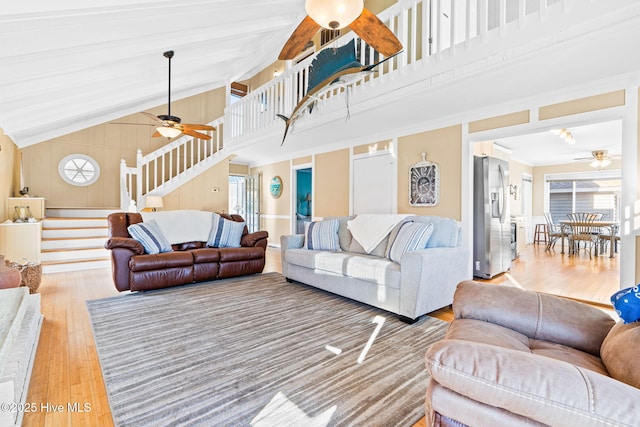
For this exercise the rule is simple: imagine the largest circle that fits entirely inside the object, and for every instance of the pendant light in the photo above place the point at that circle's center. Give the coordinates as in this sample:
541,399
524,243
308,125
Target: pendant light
334,14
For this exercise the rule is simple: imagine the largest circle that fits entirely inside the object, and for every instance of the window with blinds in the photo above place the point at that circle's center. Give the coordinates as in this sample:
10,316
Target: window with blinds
585,195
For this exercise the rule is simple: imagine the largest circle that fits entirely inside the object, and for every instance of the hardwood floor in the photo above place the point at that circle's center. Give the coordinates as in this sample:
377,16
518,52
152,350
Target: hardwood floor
67,371
577,277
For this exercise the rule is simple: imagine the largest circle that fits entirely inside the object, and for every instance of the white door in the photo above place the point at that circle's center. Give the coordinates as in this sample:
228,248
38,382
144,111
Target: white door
373,184
252,202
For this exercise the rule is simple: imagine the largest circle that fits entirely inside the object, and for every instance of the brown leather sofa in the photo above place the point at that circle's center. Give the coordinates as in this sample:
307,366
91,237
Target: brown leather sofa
520,358
189,262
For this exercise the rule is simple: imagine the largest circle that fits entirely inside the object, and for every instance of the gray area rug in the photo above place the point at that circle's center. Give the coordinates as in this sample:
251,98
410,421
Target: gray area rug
259,351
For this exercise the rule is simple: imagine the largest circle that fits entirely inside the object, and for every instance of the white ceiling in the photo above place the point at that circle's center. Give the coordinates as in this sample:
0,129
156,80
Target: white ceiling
70,64
546,148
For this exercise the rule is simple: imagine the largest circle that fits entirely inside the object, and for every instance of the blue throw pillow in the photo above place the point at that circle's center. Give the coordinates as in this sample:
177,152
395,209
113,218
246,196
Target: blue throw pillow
627,304
411,236
322,235
225,233
148,233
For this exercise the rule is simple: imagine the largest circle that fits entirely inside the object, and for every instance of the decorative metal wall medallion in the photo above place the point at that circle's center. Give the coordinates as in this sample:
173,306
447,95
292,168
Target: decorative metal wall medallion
275,186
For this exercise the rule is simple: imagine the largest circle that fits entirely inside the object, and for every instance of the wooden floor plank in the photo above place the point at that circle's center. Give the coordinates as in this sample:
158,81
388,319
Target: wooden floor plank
67,369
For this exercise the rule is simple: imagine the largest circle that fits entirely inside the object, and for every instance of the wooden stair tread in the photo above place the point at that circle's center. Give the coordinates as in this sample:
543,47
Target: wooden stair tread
92,248
74,218
75,228
55,239
62,262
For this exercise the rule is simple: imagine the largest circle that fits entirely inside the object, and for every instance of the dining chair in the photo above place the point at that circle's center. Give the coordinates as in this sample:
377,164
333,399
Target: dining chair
554,231
604,238
582,230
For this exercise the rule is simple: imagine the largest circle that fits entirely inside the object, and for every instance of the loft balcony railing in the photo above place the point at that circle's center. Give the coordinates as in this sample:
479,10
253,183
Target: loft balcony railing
426,28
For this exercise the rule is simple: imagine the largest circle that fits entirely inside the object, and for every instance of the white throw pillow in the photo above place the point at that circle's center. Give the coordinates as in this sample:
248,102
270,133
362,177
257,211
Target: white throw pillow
225,233
322,235
411,236
148,233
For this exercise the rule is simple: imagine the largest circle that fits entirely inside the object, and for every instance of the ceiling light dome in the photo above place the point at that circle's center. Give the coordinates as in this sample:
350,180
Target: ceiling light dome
334,14
168,131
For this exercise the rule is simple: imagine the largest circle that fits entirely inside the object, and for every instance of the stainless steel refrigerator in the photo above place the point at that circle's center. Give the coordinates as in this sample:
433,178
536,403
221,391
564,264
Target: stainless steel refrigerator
491,219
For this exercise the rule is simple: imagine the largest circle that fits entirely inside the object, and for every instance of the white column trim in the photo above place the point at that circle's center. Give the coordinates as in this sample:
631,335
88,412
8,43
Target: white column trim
630,210
466,201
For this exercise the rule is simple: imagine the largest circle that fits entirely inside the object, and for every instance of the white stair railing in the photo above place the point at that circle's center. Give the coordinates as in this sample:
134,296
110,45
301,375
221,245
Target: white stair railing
424,27
170,166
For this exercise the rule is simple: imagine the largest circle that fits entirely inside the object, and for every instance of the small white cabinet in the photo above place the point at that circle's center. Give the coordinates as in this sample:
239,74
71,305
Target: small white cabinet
521,234
21,240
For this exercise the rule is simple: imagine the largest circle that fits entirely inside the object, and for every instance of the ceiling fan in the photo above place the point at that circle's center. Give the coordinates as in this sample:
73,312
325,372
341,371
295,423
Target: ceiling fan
337,14
599,159
171,126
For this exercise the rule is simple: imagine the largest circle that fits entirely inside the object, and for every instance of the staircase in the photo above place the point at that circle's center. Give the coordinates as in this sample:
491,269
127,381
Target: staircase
170,166
73,239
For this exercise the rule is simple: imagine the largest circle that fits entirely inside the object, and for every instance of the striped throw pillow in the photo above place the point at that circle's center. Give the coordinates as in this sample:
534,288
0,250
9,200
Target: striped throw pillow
322,235
148,233
225,233
411,236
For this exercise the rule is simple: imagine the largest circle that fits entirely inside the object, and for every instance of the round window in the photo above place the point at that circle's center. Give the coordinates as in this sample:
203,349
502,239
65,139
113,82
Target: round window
79,169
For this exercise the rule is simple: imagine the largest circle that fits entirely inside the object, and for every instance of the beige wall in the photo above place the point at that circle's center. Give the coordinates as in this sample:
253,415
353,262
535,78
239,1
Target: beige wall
506,120
331,179
107,144
238,169
275,211
444,147
582,105
200,194
9,173
331,184
265,75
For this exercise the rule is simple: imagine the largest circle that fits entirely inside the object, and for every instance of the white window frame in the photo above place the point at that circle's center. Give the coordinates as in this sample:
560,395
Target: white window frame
62,166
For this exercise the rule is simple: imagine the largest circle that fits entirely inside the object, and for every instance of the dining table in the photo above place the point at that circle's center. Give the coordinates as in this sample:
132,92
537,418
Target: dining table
612,226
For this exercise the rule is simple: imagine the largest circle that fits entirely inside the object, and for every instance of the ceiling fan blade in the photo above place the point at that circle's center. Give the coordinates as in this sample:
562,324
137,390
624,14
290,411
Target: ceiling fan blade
377,35
299,39
152,117
197,127
195,134
128,123
156,134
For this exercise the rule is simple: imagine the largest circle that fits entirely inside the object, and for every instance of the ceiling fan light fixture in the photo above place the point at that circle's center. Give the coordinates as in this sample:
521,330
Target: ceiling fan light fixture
600,159
168,132
600,163
334,14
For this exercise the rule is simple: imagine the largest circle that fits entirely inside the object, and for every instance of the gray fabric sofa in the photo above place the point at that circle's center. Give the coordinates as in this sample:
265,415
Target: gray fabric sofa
519,358
423,280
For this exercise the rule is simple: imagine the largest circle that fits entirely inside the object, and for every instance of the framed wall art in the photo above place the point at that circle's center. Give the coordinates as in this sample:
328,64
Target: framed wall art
424,183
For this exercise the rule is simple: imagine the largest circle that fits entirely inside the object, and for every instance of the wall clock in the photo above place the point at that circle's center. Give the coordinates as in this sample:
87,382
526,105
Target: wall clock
424,183
275,186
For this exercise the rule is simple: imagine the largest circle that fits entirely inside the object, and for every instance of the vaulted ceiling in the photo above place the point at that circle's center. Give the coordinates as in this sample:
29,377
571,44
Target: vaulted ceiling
69,64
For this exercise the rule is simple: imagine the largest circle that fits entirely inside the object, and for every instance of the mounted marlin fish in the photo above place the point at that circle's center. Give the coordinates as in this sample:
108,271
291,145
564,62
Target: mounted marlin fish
331,66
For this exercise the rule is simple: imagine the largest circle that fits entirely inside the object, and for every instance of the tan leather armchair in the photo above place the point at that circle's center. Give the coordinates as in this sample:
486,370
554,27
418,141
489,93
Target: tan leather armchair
520,358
